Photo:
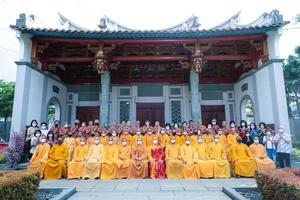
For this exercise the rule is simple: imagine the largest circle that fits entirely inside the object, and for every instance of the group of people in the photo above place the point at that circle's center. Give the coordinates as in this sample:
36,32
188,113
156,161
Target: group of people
189,150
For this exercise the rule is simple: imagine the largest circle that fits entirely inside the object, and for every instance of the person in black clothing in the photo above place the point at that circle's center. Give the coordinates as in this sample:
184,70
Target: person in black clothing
247,139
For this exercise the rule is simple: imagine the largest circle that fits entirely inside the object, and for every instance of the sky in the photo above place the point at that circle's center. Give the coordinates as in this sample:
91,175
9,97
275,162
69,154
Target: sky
138,14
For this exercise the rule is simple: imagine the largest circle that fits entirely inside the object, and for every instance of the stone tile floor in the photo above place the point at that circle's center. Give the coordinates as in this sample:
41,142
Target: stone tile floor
148,189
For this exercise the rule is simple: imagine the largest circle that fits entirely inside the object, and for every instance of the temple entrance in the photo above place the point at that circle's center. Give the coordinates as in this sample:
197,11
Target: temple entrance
151,112
87,113
214,111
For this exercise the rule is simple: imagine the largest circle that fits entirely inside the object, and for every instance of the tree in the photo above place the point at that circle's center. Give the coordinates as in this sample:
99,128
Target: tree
7,90
292,78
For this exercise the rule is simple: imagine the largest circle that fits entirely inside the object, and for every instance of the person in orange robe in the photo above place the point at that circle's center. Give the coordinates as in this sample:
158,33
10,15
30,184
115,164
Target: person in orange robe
137,135
208,137
231,139
260,156
56,165
156,160
138,166
104,137
70,143
148,137
190,159
174,164
115,137
109,160
126,134
39,157
91,139
163,138
124,159
75,167
243,163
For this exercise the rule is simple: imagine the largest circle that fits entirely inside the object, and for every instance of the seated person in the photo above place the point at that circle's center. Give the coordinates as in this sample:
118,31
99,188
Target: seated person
109,160
138,166
123,159
174,164
190,159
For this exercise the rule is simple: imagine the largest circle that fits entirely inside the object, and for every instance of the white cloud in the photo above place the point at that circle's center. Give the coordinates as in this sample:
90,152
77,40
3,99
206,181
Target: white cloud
154,14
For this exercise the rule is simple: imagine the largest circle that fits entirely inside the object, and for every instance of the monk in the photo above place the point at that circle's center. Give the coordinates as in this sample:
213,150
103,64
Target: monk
109,161
174,164
78,139
208,137
92,164
138,166
124,159
205,165
138,134
56,166
126,134
242,161
156,160
39,157
231,139
164,138
70,143
91,139
148,137
190,158
75,167
104,137
218,155
115,136
260,156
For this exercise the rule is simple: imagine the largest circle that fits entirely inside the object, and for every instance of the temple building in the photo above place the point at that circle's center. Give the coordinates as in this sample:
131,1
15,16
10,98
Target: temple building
228,72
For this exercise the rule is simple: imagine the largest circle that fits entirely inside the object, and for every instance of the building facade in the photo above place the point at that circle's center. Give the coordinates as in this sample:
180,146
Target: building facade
228,72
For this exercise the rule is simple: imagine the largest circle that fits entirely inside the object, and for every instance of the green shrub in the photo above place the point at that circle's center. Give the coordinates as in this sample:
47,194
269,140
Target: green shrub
279,184
15,185
3,158
296,145
296,151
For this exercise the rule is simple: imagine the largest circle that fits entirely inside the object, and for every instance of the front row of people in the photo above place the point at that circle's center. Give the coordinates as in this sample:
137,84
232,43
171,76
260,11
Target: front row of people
199,160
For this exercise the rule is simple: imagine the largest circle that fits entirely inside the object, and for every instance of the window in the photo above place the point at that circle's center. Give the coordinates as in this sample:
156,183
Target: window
175,91
247,109
176,111
124,110
124,92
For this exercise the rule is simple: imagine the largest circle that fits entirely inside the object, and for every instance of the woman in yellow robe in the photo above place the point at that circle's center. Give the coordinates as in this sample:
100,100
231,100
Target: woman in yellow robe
174,164
39,157
75,167
138,166
70,143
148,138
218,155
124,159
190,158
134,139
126,135
260,156
92,164
242,161
205,167
56,165
109,161
164,139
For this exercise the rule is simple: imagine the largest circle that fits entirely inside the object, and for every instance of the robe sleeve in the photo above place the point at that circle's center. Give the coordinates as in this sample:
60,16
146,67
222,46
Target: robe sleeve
46,153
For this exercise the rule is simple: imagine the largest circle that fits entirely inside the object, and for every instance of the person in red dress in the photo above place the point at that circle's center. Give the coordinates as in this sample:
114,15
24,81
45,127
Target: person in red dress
156,160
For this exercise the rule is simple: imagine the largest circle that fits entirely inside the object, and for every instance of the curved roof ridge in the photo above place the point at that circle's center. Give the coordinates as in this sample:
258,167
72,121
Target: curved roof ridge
232,22
70,25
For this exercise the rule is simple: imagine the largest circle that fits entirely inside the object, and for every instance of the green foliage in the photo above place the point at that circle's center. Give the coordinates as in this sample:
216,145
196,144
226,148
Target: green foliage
3,158
15,185
292,79
296,151
279,184
6,98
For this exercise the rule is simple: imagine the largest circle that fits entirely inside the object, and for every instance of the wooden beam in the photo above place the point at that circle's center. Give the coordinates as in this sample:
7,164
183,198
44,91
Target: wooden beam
70,59
228,57
148,58
153,41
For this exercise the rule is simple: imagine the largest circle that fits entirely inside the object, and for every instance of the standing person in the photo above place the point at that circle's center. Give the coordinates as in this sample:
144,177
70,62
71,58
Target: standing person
284,147
30,134
55,128
253,130
50,139
243,128
261,133
34,142
270,146
247,139
70,143
215,126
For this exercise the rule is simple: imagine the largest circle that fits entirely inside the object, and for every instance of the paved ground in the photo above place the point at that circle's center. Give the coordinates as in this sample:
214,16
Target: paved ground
148,189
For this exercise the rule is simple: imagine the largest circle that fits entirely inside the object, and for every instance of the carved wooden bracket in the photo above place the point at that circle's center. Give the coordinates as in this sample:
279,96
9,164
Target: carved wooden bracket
101,62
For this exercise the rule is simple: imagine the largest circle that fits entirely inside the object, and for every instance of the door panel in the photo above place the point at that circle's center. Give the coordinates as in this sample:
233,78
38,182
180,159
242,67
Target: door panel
87,113
151,112
210,112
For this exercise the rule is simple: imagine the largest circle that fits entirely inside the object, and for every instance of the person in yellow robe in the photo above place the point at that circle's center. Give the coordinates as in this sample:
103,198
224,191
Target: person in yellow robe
75,167
179,138
78,139
190,158
242,161
91,139
56,165
260,156
92,166
114,135
109,160
39,157
208,137
70,143
124,159
148,137
217,153
222,138
134,139
138,165
231,139
126,134
205,167
174,164
164,139
194,137
104,138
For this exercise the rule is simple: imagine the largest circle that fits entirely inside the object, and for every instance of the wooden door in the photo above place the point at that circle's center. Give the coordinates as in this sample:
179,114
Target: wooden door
151,112
214,111
87,113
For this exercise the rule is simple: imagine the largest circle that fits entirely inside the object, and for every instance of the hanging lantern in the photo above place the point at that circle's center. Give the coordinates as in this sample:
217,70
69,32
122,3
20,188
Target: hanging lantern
100,63
197,62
